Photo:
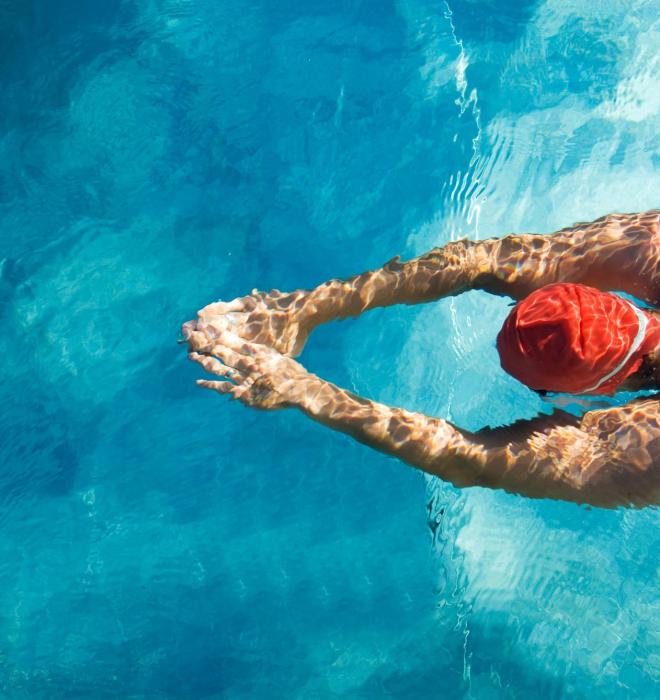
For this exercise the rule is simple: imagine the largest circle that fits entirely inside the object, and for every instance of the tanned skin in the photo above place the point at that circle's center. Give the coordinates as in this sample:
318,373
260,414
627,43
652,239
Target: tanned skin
605,458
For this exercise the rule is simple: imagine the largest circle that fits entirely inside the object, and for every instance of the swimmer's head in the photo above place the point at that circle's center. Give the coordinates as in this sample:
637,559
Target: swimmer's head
574,339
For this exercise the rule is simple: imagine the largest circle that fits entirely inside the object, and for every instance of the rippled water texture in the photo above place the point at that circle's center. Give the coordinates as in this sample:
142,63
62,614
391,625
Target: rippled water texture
158,542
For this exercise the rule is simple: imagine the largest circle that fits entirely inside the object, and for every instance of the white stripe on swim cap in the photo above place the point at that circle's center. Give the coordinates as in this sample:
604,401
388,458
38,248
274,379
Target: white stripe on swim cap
639,338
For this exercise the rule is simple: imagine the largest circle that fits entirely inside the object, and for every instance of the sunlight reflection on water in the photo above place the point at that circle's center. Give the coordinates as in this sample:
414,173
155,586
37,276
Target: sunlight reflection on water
159,543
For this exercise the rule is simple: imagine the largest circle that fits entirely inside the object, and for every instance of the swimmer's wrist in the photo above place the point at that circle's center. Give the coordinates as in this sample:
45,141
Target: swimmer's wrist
327,302
308,397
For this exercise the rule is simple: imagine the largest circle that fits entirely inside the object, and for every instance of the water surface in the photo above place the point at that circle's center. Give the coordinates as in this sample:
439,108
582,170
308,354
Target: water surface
157,156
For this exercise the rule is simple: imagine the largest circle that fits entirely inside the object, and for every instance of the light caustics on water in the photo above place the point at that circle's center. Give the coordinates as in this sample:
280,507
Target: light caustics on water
498,554
157,156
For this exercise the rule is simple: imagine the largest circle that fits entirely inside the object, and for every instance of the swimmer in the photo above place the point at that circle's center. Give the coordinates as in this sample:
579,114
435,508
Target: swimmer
567,333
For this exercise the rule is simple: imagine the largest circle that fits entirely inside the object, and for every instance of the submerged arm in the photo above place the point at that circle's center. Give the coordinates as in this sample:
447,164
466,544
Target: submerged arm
620,251
562,457
617,252
605,459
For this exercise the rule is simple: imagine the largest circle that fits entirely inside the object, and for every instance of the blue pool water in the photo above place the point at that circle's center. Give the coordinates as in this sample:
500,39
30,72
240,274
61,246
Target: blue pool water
159,542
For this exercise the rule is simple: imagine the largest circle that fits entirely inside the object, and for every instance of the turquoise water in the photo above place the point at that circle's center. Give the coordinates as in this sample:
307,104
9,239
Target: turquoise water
159,542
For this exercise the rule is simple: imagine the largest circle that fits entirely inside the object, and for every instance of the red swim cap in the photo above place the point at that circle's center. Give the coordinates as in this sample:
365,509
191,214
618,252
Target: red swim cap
575,339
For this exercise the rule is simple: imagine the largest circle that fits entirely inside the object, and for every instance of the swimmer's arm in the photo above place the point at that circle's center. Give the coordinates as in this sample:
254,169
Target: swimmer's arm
606,458
560,457
617,252
455,268
284,321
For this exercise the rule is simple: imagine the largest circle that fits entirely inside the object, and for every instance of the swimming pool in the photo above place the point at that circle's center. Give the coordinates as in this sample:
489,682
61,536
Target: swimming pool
159,155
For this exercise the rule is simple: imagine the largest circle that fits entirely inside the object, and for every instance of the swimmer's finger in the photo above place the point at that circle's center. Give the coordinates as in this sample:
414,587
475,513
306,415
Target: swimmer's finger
232,358
223,307
238,344
214,366
220,387
237,392
199,341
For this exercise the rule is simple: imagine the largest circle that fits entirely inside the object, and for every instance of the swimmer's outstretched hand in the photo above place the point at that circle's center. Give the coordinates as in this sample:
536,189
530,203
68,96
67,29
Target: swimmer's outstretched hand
255,374
272,318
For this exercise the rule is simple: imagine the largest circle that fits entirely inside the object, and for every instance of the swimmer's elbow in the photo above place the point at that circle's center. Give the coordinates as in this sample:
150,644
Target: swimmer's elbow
558,456
463,467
